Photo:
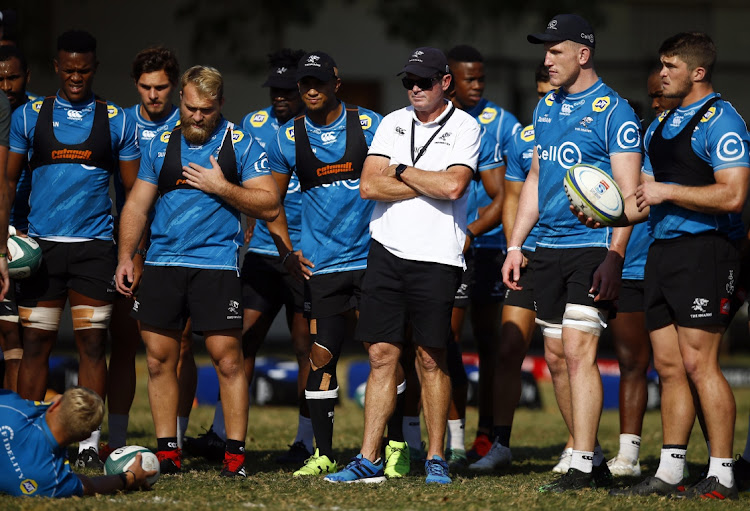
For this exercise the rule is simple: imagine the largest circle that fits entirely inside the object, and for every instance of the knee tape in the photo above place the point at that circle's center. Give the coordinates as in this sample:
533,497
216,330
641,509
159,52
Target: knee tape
14,354
584,318
550,330
456,369
87,316
322,382
41,318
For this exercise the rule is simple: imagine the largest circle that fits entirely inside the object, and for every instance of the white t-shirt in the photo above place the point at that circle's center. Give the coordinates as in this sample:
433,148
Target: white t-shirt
423,228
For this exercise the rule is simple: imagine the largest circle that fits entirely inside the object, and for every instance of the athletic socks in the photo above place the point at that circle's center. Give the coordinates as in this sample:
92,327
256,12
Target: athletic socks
92,441
118,430
722,468
598,456
321,415
395,423
502,435
412,431
167,443
672,463
235,446
305,432
456,438
182,425
485,424
630,446
583,461
746,454
218,425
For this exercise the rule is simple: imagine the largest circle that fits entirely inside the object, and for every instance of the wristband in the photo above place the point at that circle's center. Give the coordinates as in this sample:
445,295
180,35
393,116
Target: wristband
283,260
124,479
3,255
141,252
134,478
511,249
470,234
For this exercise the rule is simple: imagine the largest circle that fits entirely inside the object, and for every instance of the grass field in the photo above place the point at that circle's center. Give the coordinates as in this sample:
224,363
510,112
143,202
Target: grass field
538,437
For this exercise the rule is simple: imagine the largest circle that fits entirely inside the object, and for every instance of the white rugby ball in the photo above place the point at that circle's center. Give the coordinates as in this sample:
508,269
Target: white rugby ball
25,257
121,459
593,192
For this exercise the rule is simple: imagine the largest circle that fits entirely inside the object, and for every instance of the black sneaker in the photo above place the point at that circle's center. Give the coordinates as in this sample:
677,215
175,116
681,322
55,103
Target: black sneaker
709,488
649,486
207,445
89,458
602,476
742,473
296,454
573,479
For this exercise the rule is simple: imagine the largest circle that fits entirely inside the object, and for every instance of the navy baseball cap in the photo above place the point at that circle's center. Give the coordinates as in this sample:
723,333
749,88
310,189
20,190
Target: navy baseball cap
426,62
566,27
281,78
317,64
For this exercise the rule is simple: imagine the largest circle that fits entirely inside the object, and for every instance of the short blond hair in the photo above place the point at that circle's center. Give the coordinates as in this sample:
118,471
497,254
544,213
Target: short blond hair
206,79
81,411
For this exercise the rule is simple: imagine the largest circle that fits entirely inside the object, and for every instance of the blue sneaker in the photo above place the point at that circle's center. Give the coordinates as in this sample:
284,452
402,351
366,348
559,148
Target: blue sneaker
359,470
437,471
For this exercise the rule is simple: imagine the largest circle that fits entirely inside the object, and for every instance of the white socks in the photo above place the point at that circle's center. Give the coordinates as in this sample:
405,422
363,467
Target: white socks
92,441
218,426
456,438
182,425
630,447
671,464
583,461
722,468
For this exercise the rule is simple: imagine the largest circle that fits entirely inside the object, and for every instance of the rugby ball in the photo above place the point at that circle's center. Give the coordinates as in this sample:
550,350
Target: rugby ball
25,257
121,459
593,192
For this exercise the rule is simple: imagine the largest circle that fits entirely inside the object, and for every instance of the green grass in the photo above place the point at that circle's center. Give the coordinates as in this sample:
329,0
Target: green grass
538,437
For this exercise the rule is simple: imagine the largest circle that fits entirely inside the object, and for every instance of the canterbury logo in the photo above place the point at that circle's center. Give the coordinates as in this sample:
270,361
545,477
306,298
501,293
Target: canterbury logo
586,457
728,464
334,169
71,154
678,456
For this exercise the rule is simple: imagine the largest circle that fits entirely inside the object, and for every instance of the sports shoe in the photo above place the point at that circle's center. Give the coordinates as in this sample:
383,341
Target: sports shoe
498,456
397,462
564,462
417,454
297,453
602,476
481,446
317,465
622,466
104,451
89,458
170,462
207,445
649,486
456,458
234,465
437,471
573,479
742,473
359,470
709,488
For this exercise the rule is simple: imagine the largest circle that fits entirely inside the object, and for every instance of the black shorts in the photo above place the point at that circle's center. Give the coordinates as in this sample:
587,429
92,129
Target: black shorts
328,294
523,298
266,285
86,267
631,296
9,306
169,295
690,281
563,276
399,291
482,281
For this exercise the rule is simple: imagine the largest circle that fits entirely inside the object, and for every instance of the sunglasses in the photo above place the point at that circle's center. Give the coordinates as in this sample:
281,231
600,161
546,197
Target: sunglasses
422,83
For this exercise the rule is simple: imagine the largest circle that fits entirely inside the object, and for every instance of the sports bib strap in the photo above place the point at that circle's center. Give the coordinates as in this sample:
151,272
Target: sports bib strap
170,176
312,172
95,151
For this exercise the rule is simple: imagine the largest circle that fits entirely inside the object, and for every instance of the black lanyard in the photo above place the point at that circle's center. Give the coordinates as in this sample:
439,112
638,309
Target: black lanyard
424,147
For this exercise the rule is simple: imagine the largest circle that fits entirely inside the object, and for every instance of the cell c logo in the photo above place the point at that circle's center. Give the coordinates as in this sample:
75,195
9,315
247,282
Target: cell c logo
351,184
293,186
730,147
569,155
628,136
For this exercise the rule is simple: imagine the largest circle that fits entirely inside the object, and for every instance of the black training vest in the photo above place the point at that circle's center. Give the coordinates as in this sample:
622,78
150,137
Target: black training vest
674,160
170,176
312,172
95,151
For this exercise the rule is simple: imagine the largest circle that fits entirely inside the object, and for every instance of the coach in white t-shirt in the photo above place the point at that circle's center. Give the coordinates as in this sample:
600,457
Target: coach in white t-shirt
418,167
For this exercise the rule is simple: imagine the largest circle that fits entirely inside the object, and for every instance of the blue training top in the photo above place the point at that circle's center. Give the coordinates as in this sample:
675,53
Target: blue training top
263,125
335,219
32,463
518,163
586,127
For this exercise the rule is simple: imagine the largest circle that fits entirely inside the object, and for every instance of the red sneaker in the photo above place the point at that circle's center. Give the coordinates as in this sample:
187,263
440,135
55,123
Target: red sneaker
234,465
104,451
480,448
170,462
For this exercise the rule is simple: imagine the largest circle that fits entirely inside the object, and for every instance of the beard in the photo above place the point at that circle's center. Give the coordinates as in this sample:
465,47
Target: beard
198,135
678,89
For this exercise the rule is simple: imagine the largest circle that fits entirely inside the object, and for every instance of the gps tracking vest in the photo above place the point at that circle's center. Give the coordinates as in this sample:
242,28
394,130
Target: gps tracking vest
95,151
170,176
674,160
312,172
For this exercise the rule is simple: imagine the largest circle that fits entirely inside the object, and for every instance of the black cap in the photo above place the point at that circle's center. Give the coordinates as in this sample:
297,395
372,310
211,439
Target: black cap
317,64
426,62
281,78
566,27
